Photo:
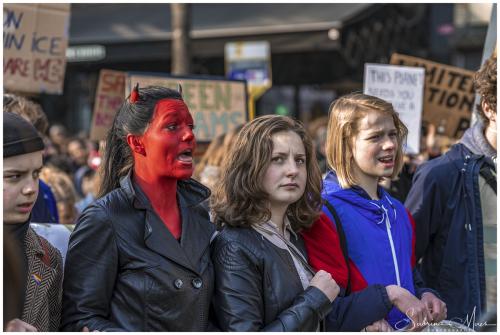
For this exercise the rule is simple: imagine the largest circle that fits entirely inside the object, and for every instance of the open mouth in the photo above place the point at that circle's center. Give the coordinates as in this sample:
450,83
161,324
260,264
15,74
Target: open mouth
386,159
186,156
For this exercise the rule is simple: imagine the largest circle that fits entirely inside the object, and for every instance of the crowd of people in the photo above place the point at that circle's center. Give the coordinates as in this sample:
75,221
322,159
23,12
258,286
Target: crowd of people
278,227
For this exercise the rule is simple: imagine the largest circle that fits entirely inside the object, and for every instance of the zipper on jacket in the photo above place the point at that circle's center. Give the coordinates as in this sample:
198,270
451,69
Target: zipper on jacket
393,250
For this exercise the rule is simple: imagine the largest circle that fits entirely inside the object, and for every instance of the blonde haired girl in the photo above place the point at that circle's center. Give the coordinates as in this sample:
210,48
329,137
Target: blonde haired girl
365,144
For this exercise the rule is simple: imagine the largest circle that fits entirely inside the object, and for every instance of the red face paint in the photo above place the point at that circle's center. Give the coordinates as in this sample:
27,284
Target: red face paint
169,142
165,157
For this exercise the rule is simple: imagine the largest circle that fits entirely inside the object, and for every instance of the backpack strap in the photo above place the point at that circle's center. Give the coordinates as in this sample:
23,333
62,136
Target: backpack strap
485,172
343,243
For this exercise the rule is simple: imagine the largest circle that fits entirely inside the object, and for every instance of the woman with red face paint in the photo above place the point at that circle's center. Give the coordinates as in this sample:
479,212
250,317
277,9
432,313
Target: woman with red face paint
138,259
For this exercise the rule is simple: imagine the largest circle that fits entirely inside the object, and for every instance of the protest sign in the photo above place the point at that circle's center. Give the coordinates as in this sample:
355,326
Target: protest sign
109,96
35,37
448,94
403,87
250,61
217,105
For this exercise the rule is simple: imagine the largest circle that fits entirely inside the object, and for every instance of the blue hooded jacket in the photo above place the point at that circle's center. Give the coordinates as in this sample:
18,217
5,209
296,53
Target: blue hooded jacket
379,237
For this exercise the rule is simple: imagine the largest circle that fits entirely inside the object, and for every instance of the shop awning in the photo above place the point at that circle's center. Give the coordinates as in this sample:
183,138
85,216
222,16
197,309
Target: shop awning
131,22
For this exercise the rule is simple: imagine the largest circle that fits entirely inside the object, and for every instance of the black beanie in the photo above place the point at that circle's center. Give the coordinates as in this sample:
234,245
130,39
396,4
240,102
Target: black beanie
19,136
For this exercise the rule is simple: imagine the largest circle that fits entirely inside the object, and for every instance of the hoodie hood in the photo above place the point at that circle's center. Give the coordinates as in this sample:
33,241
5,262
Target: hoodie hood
374,210
475,141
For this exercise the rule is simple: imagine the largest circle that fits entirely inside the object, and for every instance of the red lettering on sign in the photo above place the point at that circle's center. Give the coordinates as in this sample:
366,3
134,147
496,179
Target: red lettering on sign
112,83
48,70
16,66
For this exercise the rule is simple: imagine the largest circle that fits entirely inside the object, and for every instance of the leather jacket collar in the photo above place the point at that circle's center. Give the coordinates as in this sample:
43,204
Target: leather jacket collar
191,192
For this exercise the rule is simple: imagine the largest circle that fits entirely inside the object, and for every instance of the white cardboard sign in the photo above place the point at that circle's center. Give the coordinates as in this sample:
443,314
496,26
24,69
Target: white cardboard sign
402,86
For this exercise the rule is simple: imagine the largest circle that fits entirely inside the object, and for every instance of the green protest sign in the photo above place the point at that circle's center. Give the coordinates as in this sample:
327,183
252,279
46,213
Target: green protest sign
217,105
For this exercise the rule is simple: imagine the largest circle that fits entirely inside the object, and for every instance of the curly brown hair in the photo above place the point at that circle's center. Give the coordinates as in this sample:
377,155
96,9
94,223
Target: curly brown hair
28,109
485,83
239,200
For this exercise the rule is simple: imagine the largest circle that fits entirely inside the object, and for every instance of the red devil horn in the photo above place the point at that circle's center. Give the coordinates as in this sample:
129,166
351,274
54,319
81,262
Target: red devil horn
179,88
134,96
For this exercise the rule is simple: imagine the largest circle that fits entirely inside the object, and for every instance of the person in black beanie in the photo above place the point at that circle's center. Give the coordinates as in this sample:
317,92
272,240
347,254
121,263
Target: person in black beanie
32,304
45,208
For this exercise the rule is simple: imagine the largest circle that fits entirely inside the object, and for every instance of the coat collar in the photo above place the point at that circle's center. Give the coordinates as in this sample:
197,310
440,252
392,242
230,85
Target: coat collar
375,210
33,244
40,277
196,229
332,185
193,191
476,142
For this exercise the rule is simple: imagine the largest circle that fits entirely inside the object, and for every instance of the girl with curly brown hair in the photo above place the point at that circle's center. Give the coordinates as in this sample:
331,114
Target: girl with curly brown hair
269,190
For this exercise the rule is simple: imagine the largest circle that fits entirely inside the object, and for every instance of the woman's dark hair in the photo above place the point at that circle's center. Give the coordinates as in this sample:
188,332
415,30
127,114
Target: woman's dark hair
239,199
132,118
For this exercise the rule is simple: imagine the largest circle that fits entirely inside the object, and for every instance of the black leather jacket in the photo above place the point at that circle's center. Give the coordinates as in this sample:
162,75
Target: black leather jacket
257,286
125,271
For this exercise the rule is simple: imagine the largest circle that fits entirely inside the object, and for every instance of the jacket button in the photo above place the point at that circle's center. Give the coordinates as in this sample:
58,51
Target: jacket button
178,283
197,283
